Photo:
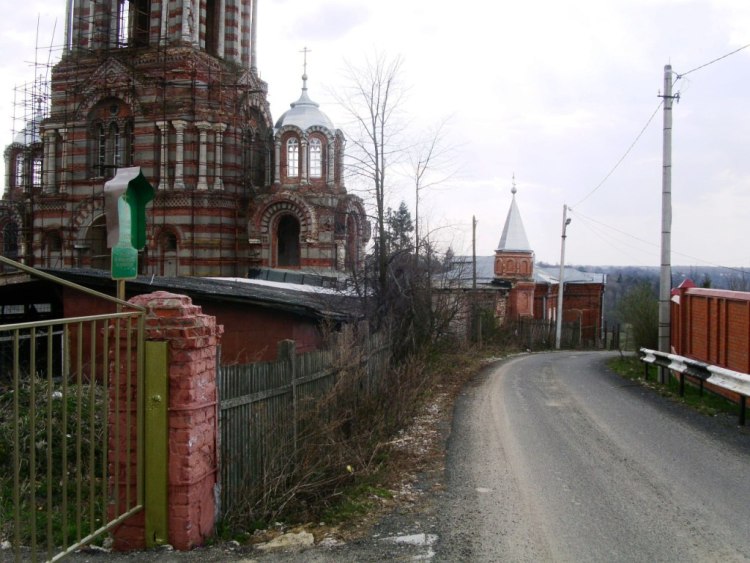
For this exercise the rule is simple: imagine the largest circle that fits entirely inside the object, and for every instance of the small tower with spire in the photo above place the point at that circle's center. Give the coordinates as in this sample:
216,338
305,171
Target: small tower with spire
514,262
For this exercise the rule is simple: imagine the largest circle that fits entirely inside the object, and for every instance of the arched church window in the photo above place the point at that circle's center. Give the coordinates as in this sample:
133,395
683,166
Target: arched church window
20,171
140,17
254,158
36,171
292,158
287,242
168,244
212,33
114,156
97,244
133,23
113,140
316,158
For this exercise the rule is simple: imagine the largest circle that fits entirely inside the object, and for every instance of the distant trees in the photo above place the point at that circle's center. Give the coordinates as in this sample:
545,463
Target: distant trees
639,307
739,282
400,229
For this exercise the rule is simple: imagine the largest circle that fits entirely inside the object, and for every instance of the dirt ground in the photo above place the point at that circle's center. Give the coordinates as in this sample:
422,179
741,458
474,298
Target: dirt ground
415,476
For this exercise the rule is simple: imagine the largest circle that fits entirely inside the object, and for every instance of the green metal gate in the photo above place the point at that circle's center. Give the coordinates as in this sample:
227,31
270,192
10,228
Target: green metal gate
71,427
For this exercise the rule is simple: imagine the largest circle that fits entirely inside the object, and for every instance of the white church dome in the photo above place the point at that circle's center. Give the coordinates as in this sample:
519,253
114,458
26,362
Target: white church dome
304,113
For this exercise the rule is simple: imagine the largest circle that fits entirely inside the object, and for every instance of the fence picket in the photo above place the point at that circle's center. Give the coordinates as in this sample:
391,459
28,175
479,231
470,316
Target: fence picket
260,405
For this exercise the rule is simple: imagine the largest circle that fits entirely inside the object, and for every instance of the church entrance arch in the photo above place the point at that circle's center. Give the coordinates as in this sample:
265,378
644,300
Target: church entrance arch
287,242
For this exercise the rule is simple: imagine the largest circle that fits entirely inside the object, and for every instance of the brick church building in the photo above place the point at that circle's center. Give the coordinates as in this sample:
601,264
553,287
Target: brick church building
173,87
513,287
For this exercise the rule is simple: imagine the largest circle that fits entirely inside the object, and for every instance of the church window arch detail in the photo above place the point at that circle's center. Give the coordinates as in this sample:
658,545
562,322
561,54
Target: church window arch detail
168,248
255,157
292,157
316,158
111,130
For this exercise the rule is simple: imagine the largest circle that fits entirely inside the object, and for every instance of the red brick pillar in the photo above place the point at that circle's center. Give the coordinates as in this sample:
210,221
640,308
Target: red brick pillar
193,427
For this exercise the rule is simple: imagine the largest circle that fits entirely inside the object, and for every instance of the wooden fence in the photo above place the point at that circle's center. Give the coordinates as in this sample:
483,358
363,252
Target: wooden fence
537,334
264,408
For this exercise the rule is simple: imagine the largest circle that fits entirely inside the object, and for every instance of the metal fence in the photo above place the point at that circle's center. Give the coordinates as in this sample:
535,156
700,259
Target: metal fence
60,411
266,406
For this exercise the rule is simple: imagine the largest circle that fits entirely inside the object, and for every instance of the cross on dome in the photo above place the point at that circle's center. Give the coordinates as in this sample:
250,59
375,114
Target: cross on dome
304,52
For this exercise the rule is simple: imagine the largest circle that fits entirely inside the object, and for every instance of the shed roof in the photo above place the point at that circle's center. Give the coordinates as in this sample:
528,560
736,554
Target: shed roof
305,300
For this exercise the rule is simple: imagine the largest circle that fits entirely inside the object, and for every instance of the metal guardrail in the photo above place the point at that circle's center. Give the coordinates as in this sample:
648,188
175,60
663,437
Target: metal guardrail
718,376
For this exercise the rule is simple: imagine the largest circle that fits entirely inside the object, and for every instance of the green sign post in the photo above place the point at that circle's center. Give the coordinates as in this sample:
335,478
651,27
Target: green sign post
126,196
124,255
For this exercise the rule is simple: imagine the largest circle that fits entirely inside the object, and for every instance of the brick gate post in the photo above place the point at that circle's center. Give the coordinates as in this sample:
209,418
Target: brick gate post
192,341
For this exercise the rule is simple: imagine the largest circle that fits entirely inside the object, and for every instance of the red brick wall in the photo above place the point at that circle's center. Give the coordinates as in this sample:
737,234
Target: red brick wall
581,301
251,333
712,326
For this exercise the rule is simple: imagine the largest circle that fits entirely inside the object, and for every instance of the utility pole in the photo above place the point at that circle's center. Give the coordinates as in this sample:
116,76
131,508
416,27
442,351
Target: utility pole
561,286
473,252
476,317
665,275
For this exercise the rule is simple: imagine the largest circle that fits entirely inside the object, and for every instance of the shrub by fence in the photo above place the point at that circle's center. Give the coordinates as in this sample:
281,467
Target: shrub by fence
283,423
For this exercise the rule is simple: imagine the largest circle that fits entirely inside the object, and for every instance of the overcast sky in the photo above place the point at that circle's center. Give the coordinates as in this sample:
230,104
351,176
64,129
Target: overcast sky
553,92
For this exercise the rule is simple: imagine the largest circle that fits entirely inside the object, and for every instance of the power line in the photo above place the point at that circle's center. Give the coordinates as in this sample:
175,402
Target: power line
627,152
650,119
688,256
627,248
709,63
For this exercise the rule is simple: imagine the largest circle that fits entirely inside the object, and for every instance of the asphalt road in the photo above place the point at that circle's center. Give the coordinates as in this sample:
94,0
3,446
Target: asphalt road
554,458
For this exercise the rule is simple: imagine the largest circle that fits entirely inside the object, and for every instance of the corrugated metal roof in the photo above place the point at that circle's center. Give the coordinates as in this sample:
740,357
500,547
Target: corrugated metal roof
305,300
461,271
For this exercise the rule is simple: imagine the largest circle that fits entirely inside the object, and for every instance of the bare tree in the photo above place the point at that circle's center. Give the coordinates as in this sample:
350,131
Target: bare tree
429,161
739,281
372,99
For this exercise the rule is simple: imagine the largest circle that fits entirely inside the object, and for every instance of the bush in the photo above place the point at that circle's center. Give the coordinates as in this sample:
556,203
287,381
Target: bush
73,450
640,309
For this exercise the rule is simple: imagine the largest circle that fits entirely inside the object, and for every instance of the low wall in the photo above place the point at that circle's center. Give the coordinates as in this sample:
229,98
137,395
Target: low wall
712,326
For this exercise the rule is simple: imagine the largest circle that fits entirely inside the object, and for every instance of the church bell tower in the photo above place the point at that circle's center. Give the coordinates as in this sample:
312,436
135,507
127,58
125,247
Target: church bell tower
514,263
170,86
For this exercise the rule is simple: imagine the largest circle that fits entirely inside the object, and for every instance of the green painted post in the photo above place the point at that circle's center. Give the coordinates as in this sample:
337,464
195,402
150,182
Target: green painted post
156,461
138,194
